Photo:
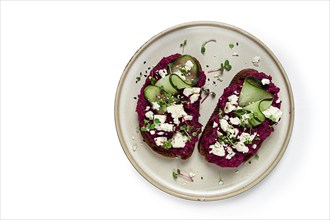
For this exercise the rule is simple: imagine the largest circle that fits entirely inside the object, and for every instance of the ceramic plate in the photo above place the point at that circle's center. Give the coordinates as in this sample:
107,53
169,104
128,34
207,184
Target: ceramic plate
210,181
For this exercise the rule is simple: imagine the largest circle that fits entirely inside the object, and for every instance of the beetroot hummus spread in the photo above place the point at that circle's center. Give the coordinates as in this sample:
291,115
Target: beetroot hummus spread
167,113
230,139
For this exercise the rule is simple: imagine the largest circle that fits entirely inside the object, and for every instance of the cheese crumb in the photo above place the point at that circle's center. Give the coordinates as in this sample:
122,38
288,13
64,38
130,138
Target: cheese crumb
265,81
160,140
179,140
155,106
149,115
162,72
194,98
193,90
240,147
235,121
176,112
230,152
224,125
273,113
218,149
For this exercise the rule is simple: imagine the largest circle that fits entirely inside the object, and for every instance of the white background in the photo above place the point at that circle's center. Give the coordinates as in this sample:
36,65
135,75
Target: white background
60,65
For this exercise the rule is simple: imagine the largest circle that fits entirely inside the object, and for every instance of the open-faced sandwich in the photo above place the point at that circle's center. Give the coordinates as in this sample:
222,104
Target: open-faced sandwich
168,106
243,119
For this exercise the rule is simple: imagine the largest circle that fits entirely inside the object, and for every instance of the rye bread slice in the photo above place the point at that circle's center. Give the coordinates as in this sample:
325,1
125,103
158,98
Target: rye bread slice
240,76
167,152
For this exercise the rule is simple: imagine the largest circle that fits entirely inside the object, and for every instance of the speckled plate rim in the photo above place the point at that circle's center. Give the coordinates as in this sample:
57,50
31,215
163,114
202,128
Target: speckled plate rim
120,132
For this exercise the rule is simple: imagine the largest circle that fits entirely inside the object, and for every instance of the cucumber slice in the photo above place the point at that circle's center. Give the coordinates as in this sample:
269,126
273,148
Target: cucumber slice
166,84
180,67
177,82
257,108
252,92
152,93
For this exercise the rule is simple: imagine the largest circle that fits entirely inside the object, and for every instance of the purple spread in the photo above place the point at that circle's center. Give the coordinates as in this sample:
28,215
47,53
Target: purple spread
192,109
263,130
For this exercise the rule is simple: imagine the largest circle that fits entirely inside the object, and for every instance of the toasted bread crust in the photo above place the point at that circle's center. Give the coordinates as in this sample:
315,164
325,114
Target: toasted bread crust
240,76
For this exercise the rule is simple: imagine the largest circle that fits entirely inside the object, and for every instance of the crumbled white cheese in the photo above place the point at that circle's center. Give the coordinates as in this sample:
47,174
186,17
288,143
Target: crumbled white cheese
226,117
235,121
194,98
245,119
193,90
179,140
188,117
254,146
219,133
160,140
229,107
265,81
164,127
147,108
247,137
215,124
278,101
224,125
188,65
160,133
161,118
233,99
233,132
231,104
256,60
149,115
240,147
162,72
217,149
152,132
273,113
155,106
230,152
176,112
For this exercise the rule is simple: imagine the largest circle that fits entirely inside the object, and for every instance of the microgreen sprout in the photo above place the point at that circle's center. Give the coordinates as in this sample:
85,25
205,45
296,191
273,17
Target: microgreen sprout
203,49
223,66
207,93
177,173
138,78
167,144
182,45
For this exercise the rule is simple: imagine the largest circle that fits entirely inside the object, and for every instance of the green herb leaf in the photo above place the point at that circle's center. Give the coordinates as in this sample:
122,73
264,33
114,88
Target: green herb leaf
183,127
143,129
194,134
138,78
167,144
156,121
256,156
220,113
184,43
203,50
153,81
175,175
231,46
